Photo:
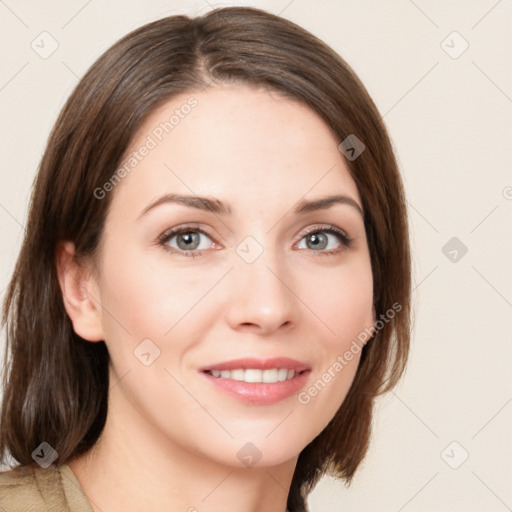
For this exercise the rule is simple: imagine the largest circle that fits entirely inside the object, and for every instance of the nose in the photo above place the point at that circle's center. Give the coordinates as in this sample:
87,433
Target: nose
261,297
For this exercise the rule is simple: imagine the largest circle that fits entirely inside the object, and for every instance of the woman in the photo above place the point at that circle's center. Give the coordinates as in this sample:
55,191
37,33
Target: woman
214,285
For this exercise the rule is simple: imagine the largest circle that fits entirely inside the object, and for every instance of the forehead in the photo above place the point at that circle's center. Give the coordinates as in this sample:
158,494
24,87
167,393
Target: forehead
235,140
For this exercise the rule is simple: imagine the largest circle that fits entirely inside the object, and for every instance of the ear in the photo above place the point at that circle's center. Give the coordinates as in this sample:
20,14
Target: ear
79,293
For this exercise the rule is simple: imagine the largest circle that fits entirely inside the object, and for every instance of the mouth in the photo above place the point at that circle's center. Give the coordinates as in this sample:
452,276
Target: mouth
258,381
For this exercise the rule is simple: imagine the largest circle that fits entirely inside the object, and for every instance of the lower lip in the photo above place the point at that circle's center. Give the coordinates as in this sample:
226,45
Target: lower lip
259,392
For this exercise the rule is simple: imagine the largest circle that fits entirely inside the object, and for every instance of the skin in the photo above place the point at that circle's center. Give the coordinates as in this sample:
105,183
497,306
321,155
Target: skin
171,438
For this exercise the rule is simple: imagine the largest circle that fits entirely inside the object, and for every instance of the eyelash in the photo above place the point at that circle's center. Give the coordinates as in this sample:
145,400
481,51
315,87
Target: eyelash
164,238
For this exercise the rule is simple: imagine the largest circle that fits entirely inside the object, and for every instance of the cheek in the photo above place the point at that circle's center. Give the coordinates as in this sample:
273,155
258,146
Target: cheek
138,295
150,298
344,303
345,307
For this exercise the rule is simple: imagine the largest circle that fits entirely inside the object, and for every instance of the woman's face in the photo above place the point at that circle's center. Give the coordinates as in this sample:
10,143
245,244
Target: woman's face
255,273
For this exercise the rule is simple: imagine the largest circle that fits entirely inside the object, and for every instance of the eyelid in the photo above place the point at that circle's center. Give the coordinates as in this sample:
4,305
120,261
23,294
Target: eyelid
166,235
327,228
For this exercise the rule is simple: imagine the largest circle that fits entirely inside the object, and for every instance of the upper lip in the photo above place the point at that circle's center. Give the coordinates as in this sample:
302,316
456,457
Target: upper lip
262,364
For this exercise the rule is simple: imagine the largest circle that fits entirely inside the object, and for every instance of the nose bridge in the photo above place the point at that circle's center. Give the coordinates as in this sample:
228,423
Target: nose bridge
261,296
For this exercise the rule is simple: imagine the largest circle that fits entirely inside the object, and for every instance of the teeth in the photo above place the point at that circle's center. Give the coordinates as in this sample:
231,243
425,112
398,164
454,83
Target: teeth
256,375
282,374
270,375
253,376
236,375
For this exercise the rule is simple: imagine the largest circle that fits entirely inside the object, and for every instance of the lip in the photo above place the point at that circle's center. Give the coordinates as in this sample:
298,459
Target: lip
259,393
261,364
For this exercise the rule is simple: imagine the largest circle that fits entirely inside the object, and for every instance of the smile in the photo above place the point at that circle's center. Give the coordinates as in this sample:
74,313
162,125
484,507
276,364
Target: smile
258,381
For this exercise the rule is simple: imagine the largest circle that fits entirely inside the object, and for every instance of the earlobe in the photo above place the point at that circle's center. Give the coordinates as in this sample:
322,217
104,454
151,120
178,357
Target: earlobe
79,294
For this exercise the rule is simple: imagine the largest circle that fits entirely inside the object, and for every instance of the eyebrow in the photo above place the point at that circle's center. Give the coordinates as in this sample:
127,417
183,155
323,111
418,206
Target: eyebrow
202,203
216,206
326,202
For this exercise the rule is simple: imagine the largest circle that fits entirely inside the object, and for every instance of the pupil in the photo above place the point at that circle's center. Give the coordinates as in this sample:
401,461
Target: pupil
188,238
318,240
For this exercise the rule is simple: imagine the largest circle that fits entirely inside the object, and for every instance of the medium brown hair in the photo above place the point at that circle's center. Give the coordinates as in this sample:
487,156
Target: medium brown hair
56,383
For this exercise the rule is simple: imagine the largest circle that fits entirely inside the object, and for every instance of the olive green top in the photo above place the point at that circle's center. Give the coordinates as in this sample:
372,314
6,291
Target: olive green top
34,489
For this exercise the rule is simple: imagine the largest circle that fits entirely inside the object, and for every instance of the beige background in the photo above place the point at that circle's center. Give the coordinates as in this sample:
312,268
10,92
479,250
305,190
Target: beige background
451,123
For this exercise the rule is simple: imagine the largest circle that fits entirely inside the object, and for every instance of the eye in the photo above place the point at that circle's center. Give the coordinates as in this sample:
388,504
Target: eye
186,241
192,241
325,240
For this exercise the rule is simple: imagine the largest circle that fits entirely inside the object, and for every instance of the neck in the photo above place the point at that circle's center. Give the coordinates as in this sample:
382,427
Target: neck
134,467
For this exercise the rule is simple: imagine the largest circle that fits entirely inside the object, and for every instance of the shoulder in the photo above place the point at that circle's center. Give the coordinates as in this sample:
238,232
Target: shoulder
31,489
